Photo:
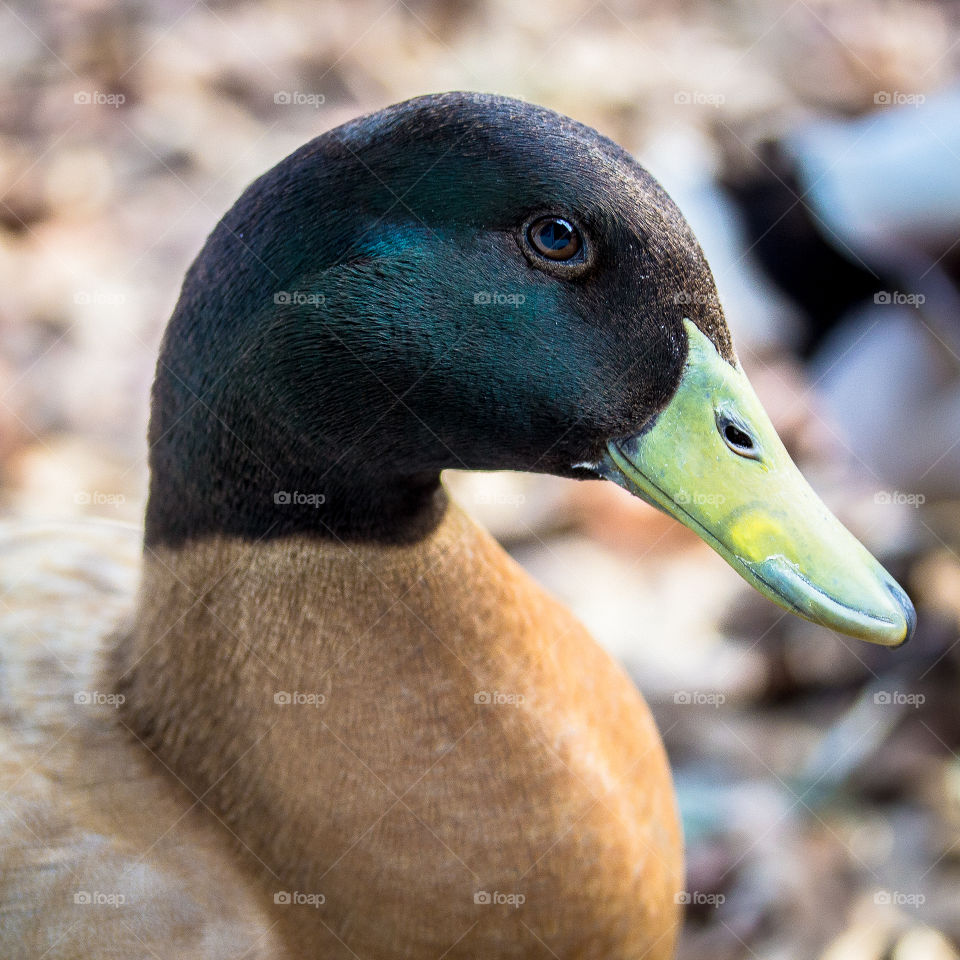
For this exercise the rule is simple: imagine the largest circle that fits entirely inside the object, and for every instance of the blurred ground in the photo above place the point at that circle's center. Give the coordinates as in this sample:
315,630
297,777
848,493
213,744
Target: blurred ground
819,779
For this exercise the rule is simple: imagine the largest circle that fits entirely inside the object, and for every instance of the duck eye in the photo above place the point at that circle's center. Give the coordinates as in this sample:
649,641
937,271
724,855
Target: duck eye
737,439
555,238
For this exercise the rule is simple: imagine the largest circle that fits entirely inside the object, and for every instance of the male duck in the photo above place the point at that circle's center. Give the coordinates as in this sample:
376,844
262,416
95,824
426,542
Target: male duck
349,724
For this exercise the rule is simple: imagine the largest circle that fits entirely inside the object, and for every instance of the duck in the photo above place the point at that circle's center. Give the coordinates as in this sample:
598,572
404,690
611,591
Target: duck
335,718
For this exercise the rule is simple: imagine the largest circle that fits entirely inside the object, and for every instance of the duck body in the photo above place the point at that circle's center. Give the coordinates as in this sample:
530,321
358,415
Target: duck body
444,744
102,852
344,723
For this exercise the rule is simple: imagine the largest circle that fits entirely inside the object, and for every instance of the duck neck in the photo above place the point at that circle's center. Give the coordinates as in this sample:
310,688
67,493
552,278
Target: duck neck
255,502
258,671
220,472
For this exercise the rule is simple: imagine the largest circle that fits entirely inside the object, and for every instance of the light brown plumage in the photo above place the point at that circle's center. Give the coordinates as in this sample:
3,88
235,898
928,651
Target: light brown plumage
458,734
102,853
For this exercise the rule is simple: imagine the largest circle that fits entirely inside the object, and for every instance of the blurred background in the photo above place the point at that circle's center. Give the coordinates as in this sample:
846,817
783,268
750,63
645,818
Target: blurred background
814,146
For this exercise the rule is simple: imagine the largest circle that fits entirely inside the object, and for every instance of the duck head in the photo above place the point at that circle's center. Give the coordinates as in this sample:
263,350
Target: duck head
470,281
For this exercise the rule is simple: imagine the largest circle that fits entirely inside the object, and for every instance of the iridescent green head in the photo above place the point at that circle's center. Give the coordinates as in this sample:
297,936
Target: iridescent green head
469,281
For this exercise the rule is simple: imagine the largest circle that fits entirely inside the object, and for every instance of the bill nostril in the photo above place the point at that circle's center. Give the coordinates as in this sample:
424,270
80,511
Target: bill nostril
737,438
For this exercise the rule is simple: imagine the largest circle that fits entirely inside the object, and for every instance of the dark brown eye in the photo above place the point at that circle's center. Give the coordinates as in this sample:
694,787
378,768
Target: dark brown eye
555,238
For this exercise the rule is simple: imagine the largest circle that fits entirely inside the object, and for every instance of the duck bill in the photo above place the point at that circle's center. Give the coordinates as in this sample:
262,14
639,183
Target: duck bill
713,460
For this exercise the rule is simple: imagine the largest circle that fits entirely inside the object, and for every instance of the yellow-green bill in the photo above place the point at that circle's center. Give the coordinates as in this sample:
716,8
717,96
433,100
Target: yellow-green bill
713,460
